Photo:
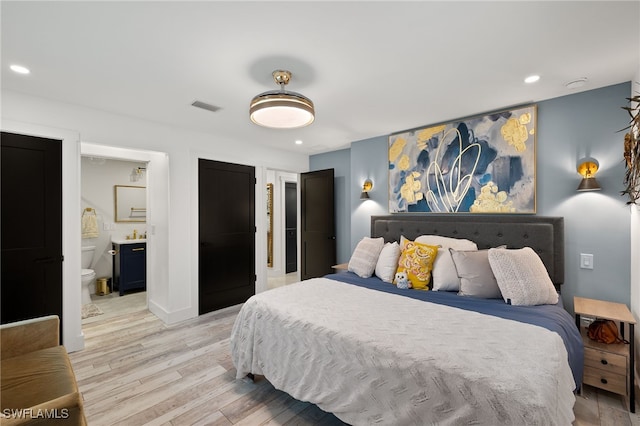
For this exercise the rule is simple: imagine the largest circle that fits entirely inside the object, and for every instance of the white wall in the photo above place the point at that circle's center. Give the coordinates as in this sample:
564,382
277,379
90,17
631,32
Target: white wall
176,299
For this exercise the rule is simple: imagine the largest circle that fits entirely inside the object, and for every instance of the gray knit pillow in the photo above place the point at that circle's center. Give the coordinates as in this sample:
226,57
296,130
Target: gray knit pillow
476,277
522,277
365,256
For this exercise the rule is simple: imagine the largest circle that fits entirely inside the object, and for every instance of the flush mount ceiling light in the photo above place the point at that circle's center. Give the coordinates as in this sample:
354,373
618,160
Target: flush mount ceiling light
532,79
19,69
281,109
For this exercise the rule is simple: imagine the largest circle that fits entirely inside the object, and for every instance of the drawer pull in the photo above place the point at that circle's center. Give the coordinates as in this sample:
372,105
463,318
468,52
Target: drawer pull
138,249
604,361
603,381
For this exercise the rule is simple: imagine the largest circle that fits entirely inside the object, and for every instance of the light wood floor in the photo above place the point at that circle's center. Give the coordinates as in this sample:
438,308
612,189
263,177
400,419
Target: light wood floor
274,282
135,370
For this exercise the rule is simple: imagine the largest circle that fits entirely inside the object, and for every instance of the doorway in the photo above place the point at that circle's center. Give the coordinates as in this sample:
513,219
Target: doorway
157,221
291,226
114,196
283,246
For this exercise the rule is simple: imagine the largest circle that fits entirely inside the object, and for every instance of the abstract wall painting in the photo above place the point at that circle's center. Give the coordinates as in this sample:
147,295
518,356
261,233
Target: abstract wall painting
483,164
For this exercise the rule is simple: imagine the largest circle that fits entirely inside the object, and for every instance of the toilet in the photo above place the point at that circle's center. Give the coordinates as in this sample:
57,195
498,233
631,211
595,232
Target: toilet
88,275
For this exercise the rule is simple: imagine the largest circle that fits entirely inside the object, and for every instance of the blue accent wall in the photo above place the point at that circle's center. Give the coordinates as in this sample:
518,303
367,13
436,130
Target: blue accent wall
369,160
340,162
569,128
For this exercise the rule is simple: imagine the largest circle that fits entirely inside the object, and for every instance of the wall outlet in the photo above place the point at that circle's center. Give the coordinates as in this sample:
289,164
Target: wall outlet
586,261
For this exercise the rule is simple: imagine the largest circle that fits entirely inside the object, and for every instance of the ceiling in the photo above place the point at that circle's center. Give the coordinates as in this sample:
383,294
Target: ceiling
371,68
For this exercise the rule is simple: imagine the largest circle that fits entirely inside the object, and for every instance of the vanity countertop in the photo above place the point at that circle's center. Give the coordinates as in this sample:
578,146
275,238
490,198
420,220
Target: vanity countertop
123,241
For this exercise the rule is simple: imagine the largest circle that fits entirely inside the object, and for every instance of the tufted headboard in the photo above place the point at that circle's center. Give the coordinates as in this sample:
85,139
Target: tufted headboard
543,234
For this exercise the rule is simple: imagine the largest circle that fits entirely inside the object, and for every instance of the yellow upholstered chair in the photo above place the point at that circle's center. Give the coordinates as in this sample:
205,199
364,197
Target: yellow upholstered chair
38,382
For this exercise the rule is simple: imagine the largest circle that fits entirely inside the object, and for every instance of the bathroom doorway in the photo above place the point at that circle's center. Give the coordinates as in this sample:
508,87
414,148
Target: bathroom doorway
114,210
113,177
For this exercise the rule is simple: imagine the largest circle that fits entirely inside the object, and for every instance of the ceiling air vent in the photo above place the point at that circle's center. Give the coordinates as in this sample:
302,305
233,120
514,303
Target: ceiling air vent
206,106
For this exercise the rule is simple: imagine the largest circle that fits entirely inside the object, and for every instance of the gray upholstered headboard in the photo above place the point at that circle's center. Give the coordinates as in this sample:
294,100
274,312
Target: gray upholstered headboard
543,234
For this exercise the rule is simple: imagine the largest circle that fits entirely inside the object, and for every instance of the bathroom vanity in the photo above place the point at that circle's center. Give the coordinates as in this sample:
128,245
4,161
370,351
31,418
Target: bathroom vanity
129,265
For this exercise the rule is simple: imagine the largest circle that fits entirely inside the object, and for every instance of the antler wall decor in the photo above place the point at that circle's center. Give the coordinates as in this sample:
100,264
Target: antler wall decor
632,152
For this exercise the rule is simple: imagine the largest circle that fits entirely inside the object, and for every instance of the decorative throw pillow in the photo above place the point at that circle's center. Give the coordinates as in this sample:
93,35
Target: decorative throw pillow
445,276
417,260
522,277
476,277
388,262
365,256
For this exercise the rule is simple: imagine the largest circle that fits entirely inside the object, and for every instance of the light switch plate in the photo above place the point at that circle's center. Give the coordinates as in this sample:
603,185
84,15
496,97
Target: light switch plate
586,261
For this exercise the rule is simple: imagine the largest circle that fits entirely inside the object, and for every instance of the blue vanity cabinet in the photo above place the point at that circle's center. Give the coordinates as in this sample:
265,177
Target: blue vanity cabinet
130,267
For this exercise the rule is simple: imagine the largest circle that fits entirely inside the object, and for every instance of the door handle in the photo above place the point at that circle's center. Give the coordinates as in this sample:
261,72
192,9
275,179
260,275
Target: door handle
138,249
333,237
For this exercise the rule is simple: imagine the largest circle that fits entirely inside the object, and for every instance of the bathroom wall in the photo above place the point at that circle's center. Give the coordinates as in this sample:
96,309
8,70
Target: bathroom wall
98,177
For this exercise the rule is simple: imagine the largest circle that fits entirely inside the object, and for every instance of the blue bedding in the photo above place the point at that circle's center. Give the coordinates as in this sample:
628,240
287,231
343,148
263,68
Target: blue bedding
551,317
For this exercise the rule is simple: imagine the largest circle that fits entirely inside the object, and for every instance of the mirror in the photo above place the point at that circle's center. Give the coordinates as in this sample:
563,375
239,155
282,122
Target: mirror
270,225
131,203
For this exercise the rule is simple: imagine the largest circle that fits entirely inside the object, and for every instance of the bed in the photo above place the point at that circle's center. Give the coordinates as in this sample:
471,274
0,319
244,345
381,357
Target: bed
372,353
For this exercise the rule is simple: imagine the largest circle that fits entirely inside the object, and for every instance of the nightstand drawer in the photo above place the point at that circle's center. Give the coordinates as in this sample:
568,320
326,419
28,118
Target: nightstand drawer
605,361
616,383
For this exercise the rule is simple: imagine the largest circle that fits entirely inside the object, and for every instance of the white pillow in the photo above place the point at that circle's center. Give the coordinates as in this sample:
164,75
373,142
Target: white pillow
388,262
522,277
365,257
444,274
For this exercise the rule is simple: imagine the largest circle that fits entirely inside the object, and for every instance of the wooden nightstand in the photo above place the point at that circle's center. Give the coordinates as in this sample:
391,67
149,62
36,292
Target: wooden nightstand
608,367
340,267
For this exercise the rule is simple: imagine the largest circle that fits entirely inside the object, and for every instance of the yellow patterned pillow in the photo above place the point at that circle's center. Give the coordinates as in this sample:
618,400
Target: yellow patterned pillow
417,261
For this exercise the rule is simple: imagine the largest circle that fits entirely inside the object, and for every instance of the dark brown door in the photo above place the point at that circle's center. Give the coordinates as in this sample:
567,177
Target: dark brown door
31,173
318,223
291,226
227,232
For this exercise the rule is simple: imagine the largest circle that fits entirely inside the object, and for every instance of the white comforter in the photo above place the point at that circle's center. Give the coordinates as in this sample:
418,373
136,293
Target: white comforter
375,358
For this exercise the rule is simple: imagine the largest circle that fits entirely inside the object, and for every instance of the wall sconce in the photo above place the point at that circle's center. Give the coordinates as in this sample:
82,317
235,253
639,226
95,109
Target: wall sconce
587,168
366,187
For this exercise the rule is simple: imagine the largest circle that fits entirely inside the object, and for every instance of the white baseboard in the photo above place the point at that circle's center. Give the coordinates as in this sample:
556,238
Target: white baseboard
75,344
171,317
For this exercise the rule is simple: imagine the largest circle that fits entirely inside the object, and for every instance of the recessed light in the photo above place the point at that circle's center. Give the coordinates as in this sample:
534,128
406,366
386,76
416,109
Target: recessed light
532,79
298,142
19,69
576,83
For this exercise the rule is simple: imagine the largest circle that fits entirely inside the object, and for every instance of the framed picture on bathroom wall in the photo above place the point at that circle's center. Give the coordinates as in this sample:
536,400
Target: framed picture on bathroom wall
482,164
130,203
